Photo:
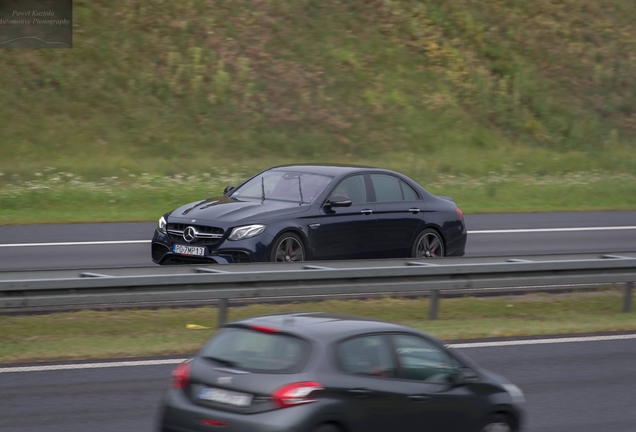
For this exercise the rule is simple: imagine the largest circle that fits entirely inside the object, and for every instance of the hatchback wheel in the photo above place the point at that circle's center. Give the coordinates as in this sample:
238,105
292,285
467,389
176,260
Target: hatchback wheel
288,248
497,423
428,244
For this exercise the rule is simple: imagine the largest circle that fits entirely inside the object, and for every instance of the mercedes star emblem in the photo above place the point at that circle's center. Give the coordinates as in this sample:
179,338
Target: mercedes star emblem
189,234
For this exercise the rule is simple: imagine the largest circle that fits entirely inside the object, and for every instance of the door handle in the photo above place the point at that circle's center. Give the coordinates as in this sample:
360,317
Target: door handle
367,212
360,392
418,398
414,210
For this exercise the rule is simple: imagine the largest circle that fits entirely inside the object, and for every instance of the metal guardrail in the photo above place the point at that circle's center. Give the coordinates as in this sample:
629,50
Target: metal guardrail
19,290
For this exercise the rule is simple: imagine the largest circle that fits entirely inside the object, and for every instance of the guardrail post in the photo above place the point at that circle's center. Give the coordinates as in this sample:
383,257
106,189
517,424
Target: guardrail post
433,305
627,300
222,306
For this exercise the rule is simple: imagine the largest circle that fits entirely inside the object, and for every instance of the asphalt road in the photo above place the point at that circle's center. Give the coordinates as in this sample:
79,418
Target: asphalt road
482,241
569,387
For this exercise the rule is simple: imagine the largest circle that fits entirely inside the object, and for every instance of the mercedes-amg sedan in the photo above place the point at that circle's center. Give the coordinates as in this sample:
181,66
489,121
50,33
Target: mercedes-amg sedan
317,372
313,212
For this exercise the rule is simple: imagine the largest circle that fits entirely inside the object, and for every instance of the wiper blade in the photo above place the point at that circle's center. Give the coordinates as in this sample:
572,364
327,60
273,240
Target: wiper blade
224,362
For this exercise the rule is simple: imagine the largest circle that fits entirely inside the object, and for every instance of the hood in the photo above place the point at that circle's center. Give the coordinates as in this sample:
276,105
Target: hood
224,209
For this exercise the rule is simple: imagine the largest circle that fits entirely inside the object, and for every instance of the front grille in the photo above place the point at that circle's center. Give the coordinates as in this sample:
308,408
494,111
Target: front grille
205,235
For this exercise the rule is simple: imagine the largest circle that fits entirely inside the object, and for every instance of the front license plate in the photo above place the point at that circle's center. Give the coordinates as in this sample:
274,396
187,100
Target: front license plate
226,397
188,250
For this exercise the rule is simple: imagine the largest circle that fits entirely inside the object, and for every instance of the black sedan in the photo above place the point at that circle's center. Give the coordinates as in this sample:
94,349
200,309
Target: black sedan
313,212
317,372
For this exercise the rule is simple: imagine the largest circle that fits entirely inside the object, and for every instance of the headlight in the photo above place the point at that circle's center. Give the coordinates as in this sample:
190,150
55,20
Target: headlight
515,392
245,232
161,226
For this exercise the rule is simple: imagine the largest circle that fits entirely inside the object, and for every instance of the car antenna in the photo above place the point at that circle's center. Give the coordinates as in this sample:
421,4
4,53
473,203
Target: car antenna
263,189
300,189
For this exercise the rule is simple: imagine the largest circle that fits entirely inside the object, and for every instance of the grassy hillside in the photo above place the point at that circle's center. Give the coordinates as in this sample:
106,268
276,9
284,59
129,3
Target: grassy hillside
507,96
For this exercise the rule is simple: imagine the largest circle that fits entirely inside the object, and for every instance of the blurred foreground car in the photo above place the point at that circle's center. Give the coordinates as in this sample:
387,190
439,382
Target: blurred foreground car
312,212
317,372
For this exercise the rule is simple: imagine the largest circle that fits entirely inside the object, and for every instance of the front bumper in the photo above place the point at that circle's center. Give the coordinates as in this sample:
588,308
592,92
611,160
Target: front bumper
255,249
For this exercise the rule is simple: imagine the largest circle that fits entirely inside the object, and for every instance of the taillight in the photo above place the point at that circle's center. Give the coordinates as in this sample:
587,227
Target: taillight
459,213
181,376
264,329
296,394
209,422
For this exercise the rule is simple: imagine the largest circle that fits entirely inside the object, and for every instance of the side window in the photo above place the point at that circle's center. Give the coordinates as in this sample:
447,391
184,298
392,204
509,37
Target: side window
387,188
409,193
352,187
423,361
367,355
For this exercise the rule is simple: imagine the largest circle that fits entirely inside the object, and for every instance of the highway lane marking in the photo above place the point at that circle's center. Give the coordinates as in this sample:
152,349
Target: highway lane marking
181,360
89,243
543,230
502,231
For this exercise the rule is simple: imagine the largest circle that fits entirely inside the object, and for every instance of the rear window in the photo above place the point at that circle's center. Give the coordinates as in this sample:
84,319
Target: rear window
257,351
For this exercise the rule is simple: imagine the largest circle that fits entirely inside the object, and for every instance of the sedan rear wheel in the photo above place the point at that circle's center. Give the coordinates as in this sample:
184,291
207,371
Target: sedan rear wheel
288,248
428,244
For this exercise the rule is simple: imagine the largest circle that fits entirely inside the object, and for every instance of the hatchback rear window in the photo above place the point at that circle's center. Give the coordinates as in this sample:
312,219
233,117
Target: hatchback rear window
257,351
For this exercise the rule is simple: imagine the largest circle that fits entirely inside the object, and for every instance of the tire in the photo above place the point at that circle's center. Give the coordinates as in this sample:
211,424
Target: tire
428,244
326,428
288,248
497,423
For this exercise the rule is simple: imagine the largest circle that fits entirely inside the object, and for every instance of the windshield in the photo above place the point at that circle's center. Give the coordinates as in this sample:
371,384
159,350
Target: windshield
284,185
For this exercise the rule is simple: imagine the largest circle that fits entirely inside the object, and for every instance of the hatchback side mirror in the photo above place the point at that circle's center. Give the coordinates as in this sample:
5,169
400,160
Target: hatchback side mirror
228,189
338,201
463,376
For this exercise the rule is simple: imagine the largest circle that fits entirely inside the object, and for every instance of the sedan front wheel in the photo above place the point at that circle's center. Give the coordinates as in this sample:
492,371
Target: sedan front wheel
288,248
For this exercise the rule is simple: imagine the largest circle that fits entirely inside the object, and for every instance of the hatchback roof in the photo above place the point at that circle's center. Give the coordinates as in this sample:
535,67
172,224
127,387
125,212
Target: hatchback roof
321,325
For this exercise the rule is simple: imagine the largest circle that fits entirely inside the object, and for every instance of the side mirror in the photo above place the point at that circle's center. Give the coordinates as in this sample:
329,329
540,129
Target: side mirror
338,201
463,376
228,189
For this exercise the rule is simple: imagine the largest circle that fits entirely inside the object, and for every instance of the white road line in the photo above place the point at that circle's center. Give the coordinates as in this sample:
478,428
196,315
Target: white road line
539,230
91,365
503,231
89,243
542,341
180,360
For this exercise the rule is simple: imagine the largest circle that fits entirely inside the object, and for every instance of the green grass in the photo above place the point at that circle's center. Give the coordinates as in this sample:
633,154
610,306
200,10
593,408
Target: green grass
434,88
130,333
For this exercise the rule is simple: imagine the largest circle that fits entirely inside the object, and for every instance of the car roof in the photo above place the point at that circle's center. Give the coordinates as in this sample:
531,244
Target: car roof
326,327
327,169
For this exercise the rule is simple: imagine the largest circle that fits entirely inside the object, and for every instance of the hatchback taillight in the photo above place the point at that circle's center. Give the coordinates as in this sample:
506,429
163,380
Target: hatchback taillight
296,394
181,376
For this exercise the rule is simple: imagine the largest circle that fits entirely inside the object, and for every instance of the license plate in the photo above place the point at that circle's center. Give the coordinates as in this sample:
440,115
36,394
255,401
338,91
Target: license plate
188,250
226,397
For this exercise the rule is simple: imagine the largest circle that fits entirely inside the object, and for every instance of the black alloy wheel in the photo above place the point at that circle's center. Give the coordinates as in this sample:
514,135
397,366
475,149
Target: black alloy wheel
428,244
288,248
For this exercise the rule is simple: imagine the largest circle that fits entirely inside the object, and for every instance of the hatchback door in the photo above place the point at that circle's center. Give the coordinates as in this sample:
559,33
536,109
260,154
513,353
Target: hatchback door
241,369
399,212
434,404
368,386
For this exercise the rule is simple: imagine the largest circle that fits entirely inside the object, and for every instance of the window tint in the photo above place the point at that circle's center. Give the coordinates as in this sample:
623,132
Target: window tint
257,351
369,355
423,361
409,193
387,188
352,187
